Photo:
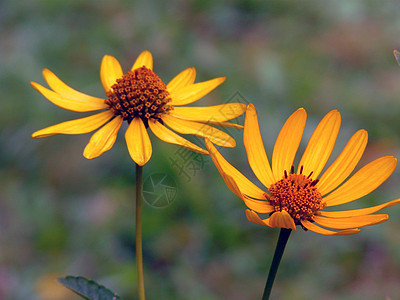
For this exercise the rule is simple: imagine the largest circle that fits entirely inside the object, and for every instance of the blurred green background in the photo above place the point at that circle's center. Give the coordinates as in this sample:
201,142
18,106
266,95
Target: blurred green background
61,214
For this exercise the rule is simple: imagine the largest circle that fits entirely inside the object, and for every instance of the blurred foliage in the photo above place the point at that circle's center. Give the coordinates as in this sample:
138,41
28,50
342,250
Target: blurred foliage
61,214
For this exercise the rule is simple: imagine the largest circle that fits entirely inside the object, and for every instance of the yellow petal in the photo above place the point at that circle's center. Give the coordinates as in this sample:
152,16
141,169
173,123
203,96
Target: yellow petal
166,135
144,59
225,124
110,71
194,92
320,145
260,206
363,182
282,219
138,142
245,185
351,222
199,129
357,212
231,184
78,126
103,139
67,92
288,142
344,164
217,113
181,80
79,105
254,218
256,205
317,229
255,148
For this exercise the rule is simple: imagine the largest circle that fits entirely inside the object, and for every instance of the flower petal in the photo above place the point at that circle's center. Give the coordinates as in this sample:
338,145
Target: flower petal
260,206
357,212
78,126
103,139
166,135
217,113
320,145
78,105
181,80
67,92
254,218
194,92
231,184
317,229
199,129
144,59
110,71
363,182
138,142
344,164
245,185
282,219
225,124
288,142
256,155
351,222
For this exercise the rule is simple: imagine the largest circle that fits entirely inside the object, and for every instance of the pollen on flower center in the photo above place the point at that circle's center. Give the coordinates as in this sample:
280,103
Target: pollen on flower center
296,194
139,93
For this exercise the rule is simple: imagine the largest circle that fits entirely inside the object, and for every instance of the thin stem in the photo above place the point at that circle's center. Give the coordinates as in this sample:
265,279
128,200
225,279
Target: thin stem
280,247
139,251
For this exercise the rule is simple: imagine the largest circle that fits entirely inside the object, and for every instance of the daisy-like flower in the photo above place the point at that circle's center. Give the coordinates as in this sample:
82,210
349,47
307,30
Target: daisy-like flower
301,196
141,98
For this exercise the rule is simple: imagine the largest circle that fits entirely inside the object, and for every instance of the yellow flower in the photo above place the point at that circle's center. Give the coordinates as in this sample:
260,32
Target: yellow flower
300,197
143,100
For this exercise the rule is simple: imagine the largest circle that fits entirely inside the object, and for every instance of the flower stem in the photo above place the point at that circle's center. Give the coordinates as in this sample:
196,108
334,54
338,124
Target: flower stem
139,251
280,247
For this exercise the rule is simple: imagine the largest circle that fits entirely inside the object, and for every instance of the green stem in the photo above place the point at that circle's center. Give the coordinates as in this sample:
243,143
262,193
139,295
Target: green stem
139,251
280,247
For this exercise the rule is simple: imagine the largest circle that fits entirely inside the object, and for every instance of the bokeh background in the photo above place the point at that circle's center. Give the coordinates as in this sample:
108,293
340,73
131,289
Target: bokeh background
61,214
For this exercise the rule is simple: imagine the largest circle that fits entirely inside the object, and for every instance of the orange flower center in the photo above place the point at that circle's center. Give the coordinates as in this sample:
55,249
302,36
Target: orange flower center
296,194
139,93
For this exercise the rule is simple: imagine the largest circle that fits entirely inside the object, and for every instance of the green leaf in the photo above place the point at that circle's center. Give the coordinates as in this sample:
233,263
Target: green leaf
88,289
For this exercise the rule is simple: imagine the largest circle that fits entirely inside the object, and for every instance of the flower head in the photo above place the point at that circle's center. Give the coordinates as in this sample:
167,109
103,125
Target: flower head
141,98
300,197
